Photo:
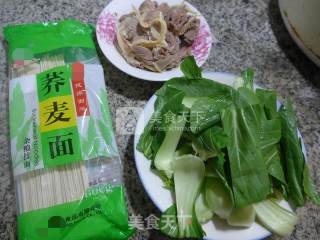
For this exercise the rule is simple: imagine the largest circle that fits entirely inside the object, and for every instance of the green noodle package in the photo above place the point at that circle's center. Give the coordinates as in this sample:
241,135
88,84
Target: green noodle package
67,170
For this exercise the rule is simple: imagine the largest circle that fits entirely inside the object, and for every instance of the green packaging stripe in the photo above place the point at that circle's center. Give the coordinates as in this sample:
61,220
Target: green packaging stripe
101,214
27,40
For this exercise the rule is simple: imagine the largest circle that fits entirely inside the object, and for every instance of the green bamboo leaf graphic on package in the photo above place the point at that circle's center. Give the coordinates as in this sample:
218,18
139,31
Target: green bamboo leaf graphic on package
105,132
15,161
91,145
105,125
85,148
105,108
23,133
17,110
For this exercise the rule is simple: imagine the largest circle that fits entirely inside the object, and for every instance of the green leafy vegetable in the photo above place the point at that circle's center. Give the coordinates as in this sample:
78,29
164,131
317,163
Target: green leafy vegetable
190,69
300,186
205,112
268,99
197,88
248,76
309,187
203,212
151,138
218,197
249,175
246,80
185,149
168,222
270,148
294,159
244,97
237,140
214,139
201,151
218,165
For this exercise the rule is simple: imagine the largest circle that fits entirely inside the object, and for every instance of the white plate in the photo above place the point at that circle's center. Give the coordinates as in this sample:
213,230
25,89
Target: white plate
302,20
106,36
161,197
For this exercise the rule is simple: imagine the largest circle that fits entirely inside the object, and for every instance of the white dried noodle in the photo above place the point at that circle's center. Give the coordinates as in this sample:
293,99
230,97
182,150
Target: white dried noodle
43,188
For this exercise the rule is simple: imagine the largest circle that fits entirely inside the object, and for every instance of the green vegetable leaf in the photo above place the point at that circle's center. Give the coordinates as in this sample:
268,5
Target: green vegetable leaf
152,137
248,76
186,148
209,143
293,156
201,151
244,97
246,80
197,88
190,68
218,165
309,187
168,222
270,148
268,99
167,182
203,212
205,112
214,139
218,197
249,174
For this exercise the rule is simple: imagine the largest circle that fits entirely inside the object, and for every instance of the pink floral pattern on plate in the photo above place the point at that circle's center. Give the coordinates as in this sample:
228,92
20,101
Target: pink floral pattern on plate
107,26
202,44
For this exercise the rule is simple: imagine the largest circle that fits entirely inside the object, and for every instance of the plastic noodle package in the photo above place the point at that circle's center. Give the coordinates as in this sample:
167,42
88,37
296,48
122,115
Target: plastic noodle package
67,170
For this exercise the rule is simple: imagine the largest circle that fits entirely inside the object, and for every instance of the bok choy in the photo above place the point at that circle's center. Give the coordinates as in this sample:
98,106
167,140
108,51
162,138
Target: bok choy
227,151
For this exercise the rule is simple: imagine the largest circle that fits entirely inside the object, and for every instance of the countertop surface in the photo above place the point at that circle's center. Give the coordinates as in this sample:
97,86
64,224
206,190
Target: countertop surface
247,33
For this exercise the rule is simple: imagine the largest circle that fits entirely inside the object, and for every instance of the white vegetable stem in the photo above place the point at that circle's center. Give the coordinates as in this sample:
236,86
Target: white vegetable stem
165,154
189,172
218,197
276,218
242,217
203,212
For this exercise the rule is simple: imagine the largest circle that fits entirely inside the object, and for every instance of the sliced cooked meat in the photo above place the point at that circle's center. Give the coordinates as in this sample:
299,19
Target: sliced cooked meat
173,42
164,8
190,31
159,52
142,53
190,36
129,27
148,5
157,37
193,23
176,18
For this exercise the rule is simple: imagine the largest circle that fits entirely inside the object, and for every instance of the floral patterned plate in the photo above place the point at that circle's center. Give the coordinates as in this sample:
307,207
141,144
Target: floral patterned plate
106,36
